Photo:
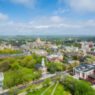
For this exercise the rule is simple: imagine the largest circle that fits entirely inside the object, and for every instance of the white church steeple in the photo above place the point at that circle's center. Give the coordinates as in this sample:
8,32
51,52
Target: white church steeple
44,69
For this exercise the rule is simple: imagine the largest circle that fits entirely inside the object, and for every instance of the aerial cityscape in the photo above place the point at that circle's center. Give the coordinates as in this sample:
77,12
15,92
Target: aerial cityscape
47,47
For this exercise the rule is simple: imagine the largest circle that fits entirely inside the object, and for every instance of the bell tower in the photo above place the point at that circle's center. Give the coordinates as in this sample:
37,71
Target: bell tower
44,68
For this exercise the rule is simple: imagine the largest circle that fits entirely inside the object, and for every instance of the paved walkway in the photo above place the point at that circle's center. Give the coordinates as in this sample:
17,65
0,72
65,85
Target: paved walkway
93,86
47,89
3,91
24,93
55,88
31,82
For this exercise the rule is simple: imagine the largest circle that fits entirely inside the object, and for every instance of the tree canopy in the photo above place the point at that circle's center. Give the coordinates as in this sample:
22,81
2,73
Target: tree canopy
78,87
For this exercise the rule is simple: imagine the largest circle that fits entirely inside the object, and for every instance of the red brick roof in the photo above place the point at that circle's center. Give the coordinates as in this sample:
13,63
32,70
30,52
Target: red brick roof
55,58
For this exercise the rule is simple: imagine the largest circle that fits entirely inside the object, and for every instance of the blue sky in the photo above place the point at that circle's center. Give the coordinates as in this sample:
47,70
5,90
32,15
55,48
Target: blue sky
47,17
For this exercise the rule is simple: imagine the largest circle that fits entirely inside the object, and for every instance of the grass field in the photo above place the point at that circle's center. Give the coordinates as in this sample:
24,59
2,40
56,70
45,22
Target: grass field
38,92
49,91
60,90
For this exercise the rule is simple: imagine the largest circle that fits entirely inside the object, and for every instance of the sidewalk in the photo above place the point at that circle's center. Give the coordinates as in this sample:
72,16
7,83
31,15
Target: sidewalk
24,93
4,91
93,86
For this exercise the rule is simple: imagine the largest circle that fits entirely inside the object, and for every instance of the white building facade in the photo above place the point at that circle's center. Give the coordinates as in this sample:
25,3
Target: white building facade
1,80
83,71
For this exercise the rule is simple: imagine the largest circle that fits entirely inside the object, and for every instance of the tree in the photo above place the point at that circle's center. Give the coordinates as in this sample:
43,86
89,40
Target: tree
78,87
75,57
76,93
37,74
31,64
13,78
60,66
28,88
46,82
52,68
15,66
13,91
55,66
33,88
4,66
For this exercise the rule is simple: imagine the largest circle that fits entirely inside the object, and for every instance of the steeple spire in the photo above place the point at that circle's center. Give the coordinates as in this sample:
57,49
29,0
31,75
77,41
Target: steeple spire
44,68
43,62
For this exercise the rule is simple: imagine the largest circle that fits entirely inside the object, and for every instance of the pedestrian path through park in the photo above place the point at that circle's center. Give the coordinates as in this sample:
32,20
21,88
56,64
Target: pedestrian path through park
47,89
54,89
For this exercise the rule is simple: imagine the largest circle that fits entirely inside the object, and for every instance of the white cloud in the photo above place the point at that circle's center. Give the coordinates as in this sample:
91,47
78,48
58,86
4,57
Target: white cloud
27,3
3,17
55,19
41,27
45,26
81,5
61,11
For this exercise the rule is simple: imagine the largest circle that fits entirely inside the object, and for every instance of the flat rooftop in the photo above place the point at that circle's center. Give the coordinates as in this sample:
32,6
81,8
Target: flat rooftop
85,67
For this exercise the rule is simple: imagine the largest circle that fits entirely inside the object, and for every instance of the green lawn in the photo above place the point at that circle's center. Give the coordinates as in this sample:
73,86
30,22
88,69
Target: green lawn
38,92
60,90
50,90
